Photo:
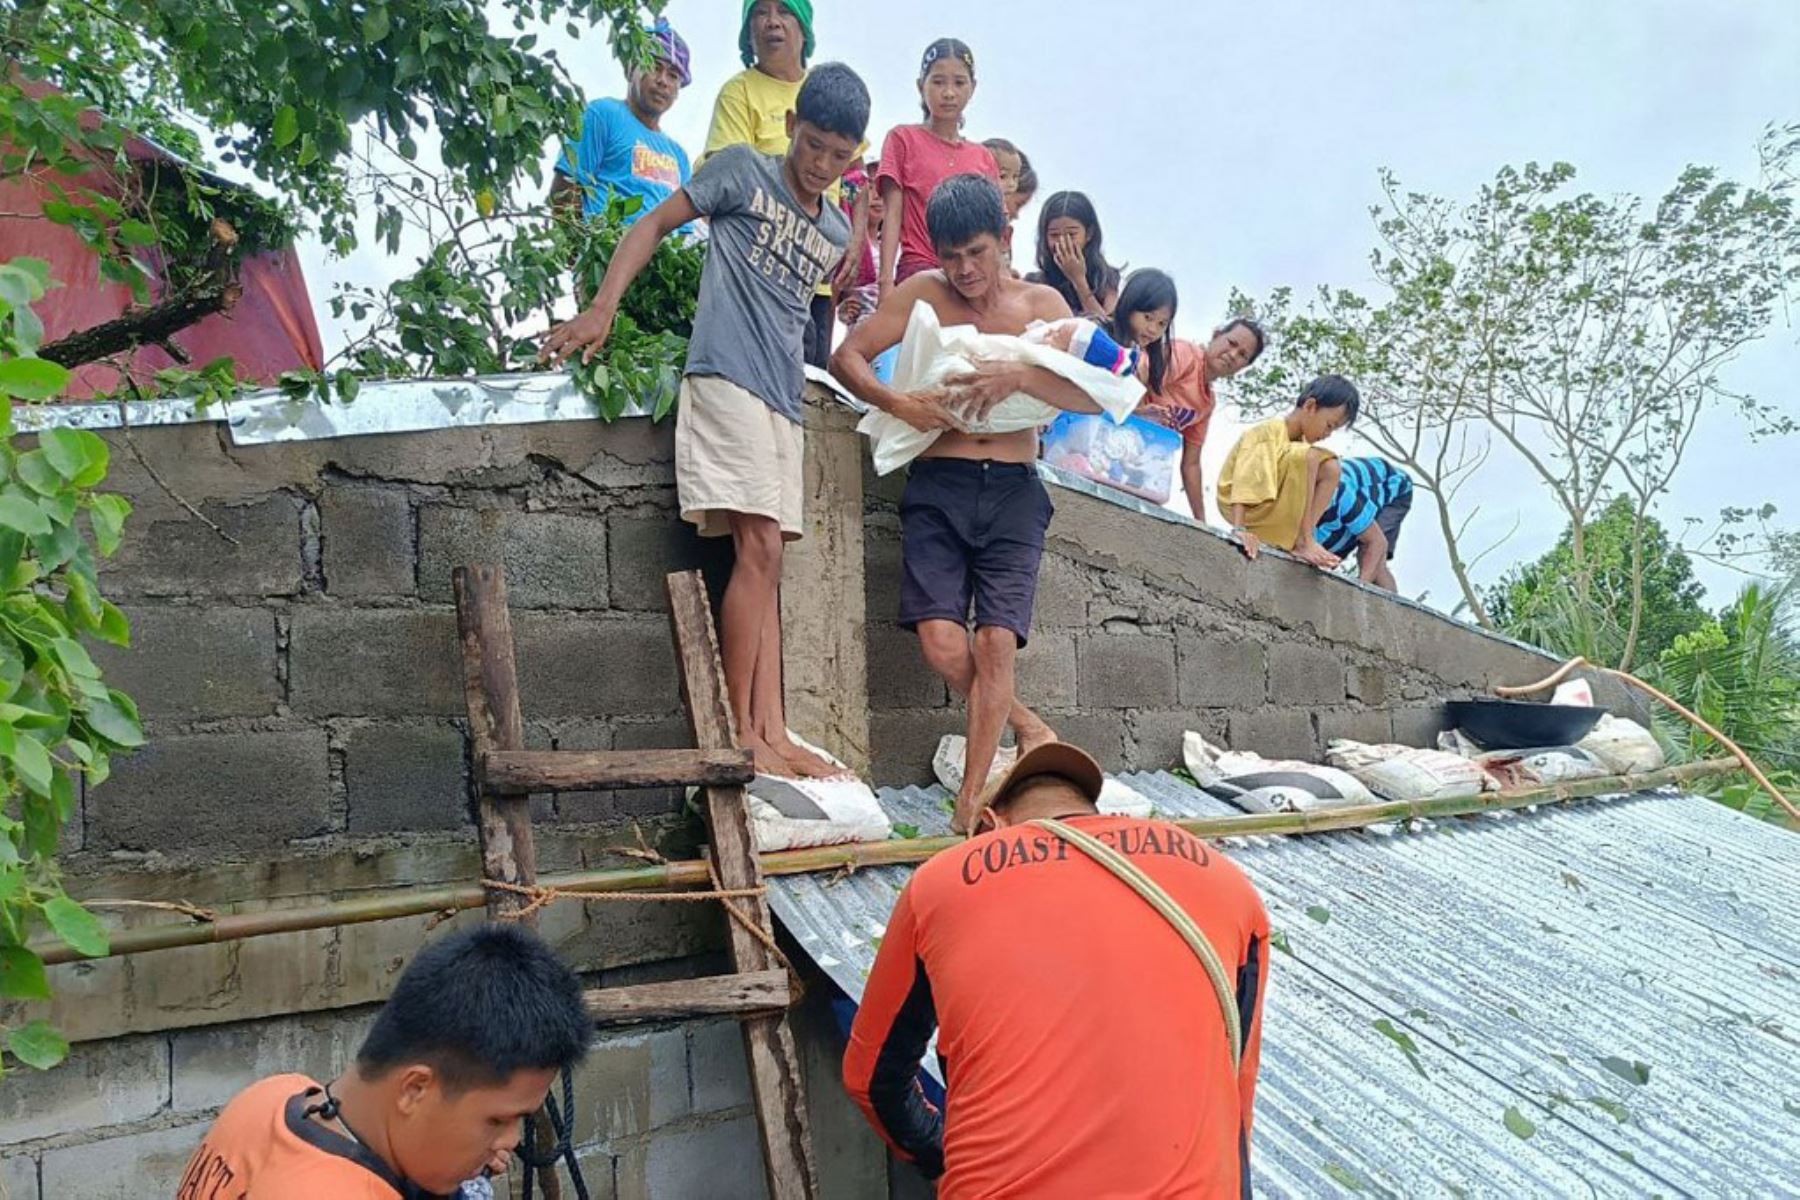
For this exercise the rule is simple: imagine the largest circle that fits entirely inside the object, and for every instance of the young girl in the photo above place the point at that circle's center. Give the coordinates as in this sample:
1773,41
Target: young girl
916,158
1070,259
1015,170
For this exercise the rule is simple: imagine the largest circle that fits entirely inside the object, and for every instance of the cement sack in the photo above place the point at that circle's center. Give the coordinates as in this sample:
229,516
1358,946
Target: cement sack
1626,747
1116,799
788,814
932,353
1407,772
1258,784
1542,766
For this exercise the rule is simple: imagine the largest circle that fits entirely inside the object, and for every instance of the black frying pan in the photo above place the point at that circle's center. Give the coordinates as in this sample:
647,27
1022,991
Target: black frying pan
1523,724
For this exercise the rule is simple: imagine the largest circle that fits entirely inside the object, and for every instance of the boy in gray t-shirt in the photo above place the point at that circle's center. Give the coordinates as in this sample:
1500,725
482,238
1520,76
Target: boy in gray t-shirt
738,442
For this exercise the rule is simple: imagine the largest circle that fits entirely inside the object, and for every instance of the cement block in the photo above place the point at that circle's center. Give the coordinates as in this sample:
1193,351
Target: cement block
1062,594
406,778
1100,732
902,741
633,453
1419,726
1047,673
213,1065
589,666
643,550
721,1161
368,541
1217,671
1275,733
898,676
240,791
1371,726
19,1178
375,663
631,1083
123,1168
100,1083
1156,736
180,556
881,579
671,733
1126,670
718,1067
851,1158
552,560
1305,675
196,663
1366,683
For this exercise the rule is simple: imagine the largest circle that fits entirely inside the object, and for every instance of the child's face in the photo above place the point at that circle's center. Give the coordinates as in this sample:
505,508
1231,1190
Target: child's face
1068,229
1317,422
946,88
1147,328
1015,202
818,159
1010,166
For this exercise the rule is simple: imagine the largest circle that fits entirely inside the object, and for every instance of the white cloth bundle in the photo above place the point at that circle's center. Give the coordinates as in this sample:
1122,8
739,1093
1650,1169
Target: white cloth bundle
787,814
1116,798
932,353
1407,772
1626,747
1259,784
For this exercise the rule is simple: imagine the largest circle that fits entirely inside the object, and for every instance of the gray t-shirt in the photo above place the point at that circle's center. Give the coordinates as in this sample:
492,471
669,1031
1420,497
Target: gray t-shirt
767,257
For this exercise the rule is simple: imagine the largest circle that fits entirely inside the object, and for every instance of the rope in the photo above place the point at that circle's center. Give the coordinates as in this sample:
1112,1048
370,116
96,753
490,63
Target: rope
1562,672
562,1124
204,916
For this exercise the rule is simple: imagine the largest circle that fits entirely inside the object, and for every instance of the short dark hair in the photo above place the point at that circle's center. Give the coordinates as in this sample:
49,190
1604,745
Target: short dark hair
834,99
962,208
477,1007
1256,331
1333,391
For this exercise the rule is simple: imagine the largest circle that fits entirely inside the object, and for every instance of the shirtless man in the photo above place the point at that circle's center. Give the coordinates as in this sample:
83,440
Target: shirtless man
974,513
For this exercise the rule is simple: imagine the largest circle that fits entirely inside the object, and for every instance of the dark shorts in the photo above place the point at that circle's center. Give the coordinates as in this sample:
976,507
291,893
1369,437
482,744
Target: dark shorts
1388,518
972,533
816,338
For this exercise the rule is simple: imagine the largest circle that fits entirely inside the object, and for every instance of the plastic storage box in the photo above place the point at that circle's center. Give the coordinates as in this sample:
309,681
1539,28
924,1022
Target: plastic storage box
1138,457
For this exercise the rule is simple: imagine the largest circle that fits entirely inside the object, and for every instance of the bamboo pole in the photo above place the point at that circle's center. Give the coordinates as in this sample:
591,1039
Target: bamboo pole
392,904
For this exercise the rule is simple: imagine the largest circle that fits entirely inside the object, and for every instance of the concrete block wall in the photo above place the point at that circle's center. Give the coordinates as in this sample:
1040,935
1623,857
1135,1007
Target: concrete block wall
1148,628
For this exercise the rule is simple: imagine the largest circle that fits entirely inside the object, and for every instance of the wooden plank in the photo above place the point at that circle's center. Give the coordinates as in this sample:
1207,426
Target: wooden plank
521,772
718,995
491,688
776,1082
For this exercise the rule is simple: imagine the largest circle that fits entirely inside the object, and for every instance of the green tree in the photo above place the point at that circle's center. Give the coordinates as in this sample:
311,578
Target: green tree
1587,607
1575,339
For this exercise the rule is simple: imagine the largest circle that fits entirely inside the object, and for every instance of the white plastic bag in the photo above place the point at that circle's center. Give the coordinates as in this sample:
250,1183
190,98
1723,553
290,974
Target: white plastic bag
787,814
1626,747
932,353
1407,772
953,752
1578,692
1259,784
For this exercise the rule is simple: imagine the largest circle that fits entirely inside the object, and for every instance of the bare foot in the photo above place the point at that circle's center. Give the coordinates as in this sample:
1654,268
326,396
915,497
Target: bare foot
1317,555
804,762
764,760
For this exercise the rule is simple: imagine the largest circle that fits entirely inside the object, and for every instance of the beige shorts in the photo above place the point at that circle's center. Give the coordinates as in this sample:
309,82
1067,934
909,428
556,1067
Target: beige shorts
733,453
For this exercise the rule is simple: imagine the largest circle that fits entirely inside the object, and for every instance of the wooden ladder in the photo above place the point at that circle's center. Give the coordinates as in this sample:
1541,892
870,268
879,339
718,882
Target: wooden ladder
506,775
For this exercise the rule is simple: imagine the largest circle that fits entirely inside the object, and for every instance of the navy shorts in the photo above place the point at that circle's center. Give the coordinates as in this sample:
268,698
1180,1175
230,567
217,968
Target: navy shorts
972,532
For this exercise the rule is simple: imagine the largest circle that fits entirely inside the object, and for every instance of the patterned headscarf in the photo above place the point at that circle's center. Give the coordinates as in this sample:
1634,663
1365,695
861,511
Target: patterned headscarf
803,13
671,49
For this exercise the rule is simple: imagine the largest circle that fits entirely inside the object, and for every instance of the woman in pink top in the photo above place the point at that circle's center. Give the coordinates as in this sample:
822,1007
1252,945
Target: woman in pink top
916,158
1184,400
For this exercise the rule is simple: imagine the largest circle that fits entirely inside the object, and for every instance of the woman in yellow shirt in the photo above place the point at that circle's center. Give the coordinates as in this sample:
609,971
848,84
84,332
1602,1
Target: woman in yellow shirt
1276,482
775,41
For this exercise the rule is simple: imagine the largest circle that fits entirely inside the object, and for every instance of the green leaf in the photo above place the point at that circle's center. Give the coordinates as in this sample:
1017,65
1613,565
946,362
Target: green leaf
32,762
1344,1177
38,1045
1403,1040
906,832
32,378
1278,939
114,628
35,472
375,25
107,513
78,455
137,233
1611,1108
1518,1123
113,722
287,126
1321,915
77,926
74,658
1635,1073
22,975
18,513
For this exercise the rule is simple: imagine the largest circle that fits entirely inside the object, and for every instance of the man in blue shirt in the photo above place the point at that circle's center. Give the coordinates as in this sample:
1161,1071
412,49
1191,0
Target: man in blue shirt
622,149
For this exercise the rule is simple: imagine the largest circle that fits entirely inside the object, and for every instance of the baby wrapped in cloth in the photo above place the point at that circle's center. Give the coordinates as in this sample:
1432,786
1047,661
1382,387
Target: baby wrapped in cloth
930,354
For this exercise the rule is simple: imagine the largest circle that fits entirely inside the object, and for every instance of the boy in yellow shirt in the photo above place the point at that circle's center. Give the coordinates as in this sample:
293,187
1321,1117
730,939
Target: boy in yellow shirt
1276,482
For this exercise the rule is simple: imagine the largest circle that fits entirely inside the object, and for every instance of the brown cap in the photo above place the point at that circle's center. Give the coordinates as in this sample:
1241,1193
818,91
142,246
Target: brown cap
1052,758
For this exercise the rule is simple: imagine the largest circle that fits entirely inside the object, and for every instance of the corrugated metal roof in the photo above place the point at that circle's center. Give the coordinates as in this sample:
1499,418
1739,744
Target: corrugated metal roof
1623,975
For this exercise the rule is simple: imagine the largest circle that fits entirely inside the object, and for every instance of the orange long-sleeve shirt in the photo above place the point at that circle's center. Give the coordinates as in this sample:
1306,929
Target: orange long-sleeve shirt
1083,1047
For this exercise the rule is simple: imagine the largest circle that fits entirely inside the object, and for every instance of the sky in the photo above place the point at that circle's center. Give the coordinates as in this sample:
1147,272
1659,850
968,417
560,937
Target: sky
1239,145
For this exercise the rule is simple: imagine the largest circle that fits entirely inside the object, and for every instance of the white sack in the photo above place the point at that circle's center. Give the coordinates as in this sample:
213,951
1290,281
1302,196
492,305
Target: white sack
1407,772
1626,747
1259,784
787,814
932,353
947,764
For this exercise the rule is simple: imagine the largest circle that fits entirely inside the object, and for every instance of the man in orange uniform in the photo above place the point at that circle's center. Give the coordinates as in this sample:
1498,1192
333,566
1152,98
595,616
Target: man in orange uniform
477,1028
1083,1039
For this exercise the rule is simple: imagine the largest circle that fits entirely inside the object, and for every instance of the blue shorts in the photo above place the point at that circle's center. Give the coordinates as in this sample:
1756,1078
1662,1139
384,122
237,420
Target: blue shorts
1370,491
972,533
